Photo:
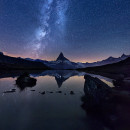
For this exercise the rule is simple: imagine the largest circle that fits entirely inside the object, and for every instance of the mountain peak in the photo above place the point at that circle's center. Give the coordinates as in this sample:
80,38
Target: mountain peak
61,54
110,58
123,55
61,57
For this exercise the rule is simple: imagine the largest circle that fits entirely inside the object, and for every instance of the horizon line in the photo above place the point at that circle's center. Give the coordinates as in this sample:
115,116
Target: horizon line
24,57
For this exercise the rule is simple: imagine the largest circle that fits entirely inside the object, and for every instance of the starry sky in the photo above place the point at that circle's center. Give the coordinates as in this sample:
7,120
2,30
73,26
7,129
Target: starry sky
84,30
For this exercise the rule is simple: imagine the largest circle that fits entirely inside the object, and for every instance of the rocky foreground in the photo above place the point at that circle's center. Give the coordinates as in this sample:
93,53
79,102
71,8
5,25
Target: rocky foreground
110,105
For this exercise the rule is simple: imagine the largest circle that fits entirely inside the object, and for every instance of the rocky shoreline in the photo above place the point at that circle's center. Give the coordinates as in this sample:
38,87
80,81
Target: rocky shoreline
108,104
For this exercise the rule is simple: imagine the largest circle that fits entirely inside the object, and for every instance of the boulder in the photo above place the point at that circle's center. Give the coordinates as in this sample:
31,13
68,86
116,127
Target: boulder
95,90
25,80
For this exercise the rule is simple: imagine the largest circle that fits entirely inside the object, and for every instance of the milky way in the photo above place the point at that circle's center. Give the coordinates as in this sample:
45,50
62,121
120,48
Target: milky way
84,30
52,20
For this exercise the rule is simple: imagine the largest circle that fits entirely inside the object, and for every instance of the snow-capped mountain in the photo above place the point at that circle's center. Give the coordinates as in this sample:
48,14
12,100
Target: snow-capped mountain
61,58
63,63
109,60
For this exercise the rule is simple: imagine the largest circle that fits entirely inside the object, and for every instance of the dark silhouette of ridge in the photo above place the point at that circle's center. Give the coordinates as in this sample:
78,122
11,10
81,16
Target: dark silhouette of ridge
61,63
7,62
122,67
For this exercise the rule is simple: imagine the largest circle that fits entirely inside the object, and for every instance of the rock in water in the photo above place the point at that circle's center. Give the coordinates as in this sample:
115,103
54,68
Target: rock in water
71,92
59,92
43,93
95,90
25,80
105,104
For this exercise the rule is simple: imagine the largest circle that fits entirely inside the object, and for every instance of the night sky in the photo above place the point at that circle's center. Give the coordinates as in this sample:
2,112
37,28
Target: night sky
84,30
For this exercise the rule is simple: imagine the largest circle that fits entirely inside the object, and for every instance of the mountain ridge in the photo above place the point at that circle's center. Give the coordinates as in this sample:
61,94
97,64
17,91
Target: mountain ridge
62,62
8,62
119,68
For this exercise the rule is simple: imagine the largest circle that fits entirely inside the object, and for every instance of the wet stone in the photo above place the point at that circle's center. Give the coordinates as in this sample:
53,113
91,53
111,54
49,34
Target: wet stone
43,93
32,90
59,91
11,91
71,92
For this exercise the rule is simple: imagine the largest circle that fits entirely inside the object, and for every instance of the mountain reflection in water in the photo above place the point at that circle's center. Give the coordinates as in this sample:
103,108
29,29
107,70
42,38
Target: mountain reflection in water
56,109
60,75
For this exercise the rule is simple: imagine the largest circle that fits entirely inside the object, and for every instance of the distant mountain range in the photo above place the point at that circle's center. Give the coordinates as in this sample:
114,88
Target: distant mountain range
63,63
60,63
109,60
121,68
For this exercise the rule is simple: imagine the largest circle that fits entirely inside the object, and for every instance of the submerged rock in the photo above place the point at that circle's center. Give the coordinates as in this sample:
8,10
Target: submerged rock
59,92
43,93
11,91
32,90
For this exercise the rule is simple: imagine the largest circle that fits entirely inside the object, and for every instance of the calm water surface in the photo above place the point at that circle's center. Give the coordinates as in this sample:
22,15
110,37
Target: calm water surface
30,110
